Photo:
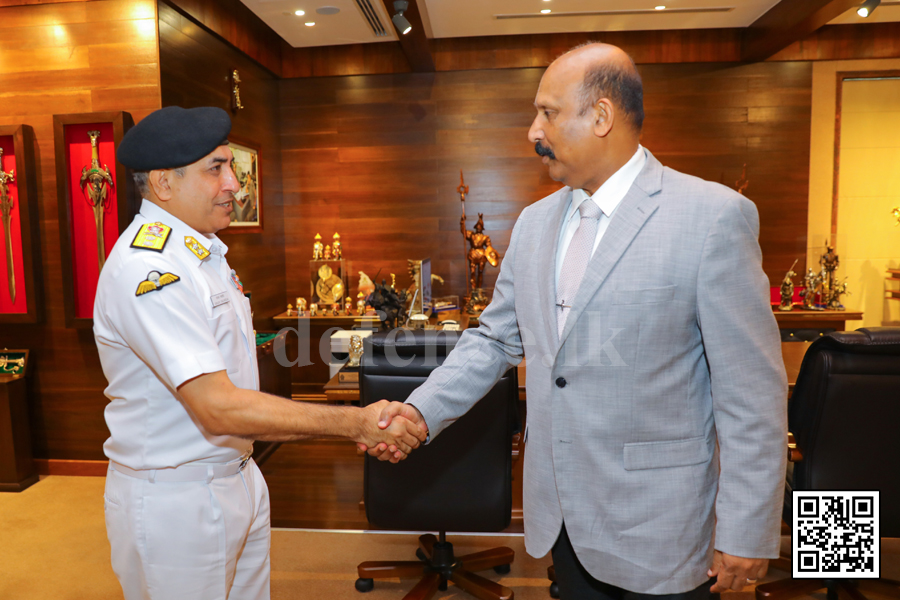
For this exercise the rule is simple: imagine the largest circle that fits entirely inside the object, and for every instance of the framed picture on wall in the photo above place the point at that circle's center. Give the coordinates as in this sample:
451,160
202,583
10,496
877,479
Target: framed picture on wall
247,205
96,202
21,282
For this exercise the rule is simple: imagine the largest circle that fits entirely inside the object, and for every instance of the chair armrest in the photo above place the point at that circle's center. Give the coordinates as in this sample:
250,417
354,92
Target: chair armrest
794,452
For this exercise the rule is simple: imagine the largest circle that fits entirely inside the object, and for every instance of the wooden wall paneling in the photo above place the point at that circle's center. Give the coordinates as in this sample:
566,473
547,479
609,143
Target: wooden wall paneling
846,42
29,228
349,59
786,22
195,70
116,69
233,22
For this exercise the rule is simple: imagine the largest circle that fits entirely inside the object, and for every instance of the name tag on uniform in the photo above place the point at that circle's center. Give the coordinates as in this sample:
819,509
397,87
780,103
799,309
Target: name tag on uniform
219,299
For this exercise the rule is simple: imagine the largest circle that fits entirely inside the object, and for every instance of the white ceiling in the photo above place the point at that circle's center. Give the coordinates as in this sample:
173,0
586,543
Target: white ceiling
466,18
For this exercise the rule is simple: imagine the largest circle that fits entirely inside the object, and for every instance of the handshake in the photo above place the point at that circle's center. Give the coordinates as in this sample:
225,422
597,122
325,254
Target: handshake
390,430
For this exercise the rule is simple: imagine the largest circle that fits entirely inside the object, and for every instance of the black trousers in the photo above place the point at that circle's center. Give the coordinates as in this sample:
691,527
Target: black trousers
575,583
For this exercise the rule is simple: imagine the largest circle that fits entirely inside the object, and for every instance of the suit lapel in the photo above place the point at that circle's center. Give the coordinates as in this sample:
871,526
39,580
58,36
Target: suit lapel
547,265
636,207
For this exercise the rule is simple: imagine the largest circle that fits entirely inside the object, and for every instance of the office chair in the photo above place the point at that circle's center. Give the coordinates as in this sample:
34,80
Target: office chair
461,481
843,416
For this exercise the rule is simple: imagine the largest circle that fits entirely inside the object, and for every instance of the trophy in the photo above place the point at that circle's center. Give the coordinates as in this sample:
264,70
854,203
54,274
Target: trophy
99,181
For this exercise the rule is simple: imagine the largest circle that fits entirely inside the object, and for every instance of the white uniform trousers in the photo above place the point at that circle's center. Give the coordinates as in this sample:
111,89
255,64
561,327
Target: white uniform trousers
190,540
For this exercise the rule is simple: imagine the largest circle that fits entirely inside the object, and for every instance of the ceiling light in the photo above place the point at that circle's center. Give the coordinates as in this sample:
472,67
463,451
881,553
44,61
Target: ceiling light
400,22
545,11
660,7
310,23
867,7
300,13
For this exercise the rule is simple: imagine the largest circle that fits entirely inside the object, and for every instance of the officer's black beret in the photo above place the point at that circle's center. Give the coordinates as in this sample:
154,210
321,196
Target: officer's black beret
174,137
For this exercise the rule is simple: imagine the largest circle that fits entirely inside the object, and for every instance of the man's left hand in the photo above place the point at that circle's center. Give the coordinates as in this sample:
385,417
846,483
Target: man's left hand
735,572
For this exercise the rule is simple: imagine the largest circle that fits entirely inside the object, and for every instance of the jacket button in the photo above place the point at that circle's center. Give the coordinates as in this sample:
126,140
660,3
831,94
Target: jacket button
560,382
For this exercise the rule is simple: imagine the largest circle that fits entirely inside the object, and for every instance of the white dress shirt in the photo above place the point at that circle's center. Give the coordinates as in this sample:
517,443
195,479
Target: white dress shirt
608,198
151,343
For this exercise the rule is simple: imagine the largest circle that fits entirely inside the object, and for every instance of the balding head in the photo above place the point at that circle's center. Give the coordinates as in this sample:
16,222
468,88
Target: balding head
608,73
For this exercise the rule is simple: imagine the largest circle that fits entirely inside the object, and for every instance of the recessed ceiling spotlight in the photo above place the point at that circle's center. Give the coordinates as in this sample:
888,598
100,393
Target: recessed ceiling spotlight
660,7
299,13
867,7
545,11
310,23
328,10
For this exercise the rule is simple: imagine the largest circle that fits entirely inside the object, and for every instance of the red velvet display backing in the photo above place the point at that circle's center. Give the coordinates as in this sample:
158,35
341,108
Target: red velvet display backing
6,305
85,267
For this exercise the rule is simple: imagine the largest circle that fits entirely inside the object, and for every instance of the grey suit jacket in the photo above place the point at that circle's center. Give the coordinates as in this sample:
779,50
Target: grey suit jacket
657,423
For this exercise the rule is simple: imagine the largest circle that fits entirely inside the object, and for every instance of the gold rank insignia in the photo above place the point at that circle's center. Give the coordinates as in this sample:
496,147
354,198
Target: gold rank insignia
155,281
152,236
195,247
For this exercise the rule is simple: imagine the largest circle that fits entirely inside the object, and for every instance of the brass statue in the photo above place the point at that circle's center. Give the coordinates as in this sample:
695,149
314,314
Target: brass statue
356,350
290,310
99,181
336,250
348,305
787,289
301,306
236,104
829,262
812,283
6,205
327,255
360,304
318,248
313,309
479,252
839,290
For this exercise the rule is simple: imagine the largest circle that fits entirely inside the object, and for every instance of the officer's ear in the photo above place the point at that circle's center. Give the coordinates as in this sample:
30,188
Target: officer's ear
159,183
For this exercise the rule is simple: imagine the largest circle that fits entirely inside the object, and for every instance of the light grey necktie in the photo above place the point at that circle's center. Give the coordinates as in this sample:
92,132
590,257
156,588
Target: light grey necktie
575,263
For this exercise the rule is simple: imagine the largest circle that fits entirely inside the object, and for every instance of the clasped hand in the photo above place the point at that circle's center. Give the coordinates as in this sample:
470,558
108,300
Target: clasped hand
391,430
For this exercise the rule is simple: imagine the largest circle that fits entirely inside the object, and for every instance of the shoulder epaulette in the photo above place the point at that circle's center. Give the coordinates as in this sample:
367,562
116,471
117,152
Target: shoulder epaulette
152,236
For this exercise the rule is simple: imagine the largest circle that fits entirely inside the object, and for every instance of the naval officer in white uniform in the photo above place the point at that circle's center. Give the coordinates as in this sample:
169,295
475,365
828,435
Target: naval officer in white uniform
187,509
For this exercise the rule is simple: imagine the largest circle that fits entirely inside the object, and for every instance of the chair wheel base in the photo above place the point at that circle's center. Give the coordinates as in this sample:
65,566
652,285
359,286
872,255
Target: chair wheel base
502,569
554,590
443,585
365,585
421,555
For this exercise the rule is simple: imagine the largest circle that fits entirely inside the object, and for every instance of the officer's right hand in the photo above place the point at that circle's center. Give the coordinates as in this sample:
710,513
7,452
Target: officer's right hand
401,435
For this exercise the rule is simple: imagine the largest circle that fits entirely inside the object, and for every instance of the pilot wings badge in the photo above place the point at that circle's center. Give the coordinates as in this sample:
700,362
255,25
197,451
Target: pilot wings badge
155,281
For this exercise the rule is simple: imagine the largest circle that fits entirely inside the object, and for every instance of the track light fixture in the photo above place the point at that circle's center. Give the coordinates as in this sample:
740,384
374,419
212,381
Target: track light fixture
866,8
399,20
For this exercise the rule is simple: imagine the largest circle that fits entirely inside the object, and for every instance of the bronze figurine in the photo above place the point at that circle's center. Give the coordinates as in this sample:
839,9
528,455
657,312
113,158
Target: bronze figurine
318,248
787,289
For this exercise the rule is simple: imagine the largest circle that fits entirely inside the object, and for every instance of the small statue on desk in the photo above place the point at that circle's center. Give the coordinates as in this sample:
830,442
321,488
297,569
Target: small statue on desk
336,249
318,248
787,290
830,263
336,310
834,303
348,306
480,253
812,284
360,304
301,306
356,350
327,255
313,310
290,310
389,304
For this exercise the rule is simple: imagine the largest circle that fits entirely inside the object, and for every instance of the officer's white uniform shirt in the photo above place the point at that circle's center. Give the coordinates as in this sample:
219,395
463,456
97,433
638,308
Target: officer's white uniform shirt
150,344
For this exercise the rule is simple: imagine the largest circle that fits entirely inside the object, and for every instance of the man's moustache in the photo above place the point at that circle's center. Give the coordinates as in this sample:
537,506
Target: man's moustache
543,151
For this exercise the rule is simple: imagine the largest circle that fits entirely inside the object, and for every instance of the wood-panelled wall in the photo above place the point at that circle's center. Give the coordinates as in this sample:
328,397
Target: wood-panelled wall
377,158
195,70
69,58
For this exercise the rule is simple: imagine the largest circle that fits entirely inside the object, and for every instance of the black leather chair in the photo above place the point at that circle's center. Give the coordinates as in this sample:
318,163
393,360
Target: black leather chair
461,481
844,415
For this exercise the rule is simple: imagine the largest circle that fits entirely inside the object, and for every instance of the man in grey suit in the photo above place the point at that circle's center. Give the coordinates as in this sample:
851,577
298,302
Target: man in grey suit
655,454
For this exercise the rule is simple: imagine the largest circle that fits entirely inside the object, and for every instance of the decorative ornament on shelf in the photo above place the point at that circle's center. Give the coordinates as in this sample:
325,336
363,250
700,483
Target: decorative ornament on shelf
236,103
336,248
787,289
365,286
811,284
301,306
896,212
478,251
313,309
361,304
318,248
348,305
290,310
356,350
327,255
830,262
96,183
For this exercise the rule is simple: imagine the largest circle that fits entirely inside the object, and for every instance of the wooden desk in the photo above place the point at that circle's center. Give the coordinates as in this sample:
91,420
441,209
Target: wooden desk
815,319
